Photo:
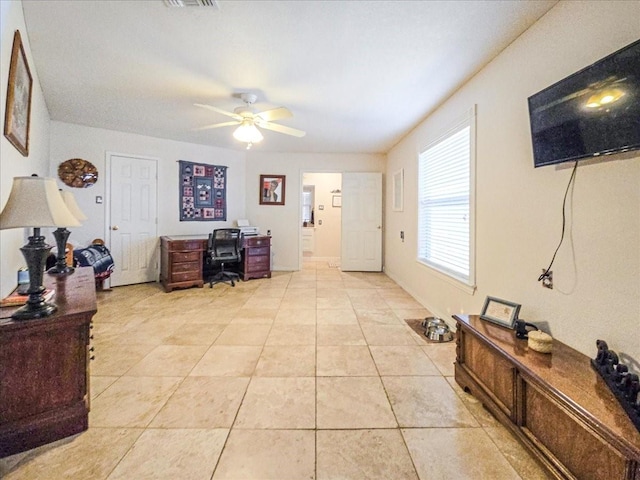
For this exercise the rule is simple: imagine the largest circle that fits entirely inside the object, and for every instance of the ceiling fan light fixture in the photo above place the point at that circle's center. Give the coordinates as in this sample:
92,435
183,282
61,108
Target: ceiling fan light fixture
247,132
605,97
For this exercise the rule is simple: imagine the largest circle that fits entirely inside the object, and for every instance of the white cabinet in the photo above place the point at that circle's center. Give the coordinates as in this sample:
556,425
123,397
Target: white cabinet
308,239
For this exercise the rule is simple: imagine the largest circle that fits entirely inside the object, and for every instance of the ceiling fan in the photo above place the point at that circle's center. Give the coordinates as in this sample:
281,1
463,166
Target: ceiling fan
248,120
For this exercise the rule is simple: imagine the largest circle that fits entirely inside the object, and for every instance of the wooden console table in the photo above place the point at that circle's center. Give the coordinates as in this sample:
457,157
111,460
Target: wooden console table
182,260
555,404
44,367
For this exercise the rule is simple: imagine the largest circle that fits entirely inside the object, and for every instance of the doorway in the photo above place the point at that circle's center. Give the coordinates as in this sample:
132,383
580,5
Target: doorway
321,217
132,223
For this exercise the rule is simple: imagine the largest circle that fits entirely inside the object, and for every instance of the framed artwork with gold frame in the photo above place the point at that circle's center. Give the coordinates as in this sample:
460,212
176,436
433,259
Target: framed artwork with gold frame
17,117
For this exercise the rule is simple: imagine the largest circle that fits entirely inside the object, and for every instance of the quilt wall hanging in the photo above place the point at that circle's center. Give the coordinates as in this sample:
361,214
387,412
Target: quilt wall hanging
203,192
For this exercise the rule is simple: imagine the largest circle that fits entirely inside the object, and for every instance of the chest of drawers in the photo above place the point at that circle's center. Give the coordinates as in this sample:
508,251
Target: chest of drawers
256,257
181,262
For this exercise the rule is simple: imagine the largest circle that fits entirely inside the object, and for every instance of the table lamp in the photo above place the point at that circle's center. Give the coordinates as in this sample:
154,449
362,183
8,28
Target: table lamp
35,202
61,235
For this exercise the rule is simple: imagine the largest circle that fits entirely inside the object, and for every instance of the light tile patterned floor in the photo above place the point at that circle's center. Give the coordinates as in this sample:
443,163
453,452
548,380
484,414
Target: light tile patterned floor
307,375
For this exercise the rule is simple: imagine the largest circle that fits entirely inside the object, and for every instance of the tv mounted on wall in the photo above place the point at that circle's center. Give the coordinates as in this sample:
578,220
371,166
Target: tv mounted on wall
593,112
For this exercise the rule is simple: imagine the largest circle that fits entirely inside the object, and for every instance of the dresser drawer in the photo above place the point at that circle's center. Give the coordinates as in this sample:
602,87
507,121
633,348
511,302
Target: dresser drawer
257,241
256,268
253,251
257,263
185,267
185,276
186,245
179,257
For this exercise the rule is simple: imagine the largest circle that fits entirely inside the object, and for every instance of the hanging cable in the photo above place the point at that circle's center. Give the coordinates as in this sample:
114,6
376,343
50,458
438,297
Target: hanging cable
545,274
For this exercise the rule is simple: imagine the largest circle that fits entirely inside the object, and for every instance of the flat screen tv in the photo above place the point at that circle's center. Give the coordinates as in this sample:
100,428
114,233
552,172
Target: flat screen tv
595,111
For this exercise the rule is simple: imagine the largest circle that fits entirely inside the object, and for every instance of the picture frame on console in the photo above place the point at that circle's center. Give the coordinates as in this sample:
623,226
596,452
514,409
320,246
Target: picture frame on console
272,189
500,312
17,117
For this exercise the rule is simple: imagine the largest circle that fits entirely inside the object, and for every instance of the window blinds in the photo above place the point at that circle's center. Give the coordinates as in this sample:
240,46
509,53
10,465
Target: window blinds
443,210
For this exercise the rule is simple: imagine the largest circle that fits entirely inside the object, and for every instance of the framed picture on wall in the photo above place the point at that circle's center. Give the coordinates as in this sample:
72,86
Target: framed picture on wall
272,189
398,191
17,115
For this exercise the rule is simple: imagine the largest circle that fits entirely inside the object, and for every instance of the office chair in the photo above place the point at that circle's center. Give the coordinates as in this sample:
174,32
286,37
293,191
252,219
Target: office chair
223,248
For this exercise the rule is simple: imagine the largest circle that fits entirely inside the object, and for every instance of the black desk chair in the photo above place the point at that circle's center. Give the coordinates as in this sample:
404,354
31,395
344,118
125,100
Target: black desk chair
223,249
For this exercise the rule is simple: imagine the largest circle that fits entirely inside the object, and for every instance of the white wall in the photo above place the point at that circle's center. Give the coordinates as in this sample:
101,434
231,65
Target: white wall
284,221
597,271
12,163
92,144
327,235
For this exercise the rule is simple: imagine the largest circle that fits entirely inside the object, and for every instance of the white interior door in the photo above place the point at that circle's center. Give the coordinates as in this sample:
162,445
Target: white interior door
361,222
133,219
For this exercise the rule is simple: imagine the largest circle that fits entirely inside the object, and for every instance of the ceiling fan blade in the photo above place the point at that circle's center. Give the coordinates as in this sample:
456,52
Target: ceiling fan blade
281,129
217,125
275,114
219,110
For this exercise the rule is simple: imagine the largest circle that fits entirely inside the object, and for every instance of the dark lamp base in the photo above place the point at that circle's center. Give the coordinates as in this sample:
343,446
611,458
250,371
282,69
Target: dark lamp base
58,270
35,253
31,311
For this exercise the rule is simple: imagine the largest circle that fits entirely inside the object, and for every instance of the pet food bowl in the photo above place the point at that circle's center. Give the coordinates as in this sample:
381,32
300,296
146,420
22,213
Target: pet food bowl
432,322
436,330
439,334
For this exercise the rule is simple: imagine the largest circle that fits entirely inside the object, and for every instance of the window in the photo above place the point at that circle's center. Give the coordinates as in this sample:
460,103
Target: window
445,203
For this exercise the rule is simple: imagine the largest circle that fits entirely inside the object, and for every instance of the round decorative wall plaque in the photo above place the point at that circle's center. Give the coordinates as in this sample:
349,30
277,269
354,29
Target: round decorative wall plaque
78,173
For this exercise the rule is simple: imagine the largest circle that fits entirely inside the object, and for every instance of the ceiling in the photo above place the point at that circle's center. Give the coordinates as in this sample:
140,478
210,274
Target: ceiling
357,75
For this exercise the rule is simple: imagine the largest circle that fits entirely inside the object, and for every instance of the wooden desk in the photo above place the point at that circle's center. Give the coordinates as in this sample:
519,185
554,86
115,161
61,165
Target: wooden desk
44,367
182,259
556,404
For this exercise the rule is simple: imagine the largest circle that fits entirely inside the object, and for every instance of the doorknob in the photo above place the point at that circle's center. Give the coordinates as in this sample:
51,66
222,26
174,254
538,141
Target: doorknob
379,227
115,227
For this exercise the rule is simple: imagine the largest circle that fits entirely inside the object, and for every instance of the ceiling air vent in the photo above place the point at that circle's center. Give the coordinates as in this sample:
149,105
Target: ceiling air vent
192,3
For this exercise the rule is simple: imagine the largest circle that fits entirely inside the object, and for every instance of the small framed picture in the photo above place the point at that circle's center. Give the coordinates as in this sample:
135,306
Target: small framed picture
17,117
272,189
336,201
500,312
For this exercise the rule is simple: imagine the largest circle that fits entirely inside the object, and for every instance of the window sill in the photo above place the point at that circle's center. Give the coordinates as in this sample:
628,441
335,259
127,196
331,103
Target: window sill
468,289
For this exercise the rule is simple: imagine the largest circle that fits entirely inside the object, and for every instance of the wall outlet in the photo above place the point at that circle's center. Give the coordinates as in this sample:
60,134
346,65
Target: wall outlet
547,278
402,235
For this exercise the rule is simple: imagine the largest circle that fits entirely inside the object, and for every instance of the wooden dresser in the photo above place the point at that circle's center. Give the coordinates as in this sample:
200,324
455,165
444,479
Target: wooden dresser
44,367
256,257
181,260
556,404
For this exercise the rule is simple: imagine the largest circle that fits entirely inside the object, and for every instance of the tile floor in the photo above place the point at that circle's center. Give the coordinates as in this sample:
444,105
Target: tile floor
312,374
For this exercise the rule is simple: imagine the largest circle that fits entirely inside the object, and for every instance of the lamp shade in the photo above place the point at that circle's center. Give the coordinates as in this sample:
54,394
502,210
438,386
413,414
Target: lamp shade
247,132
72,205
35,202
